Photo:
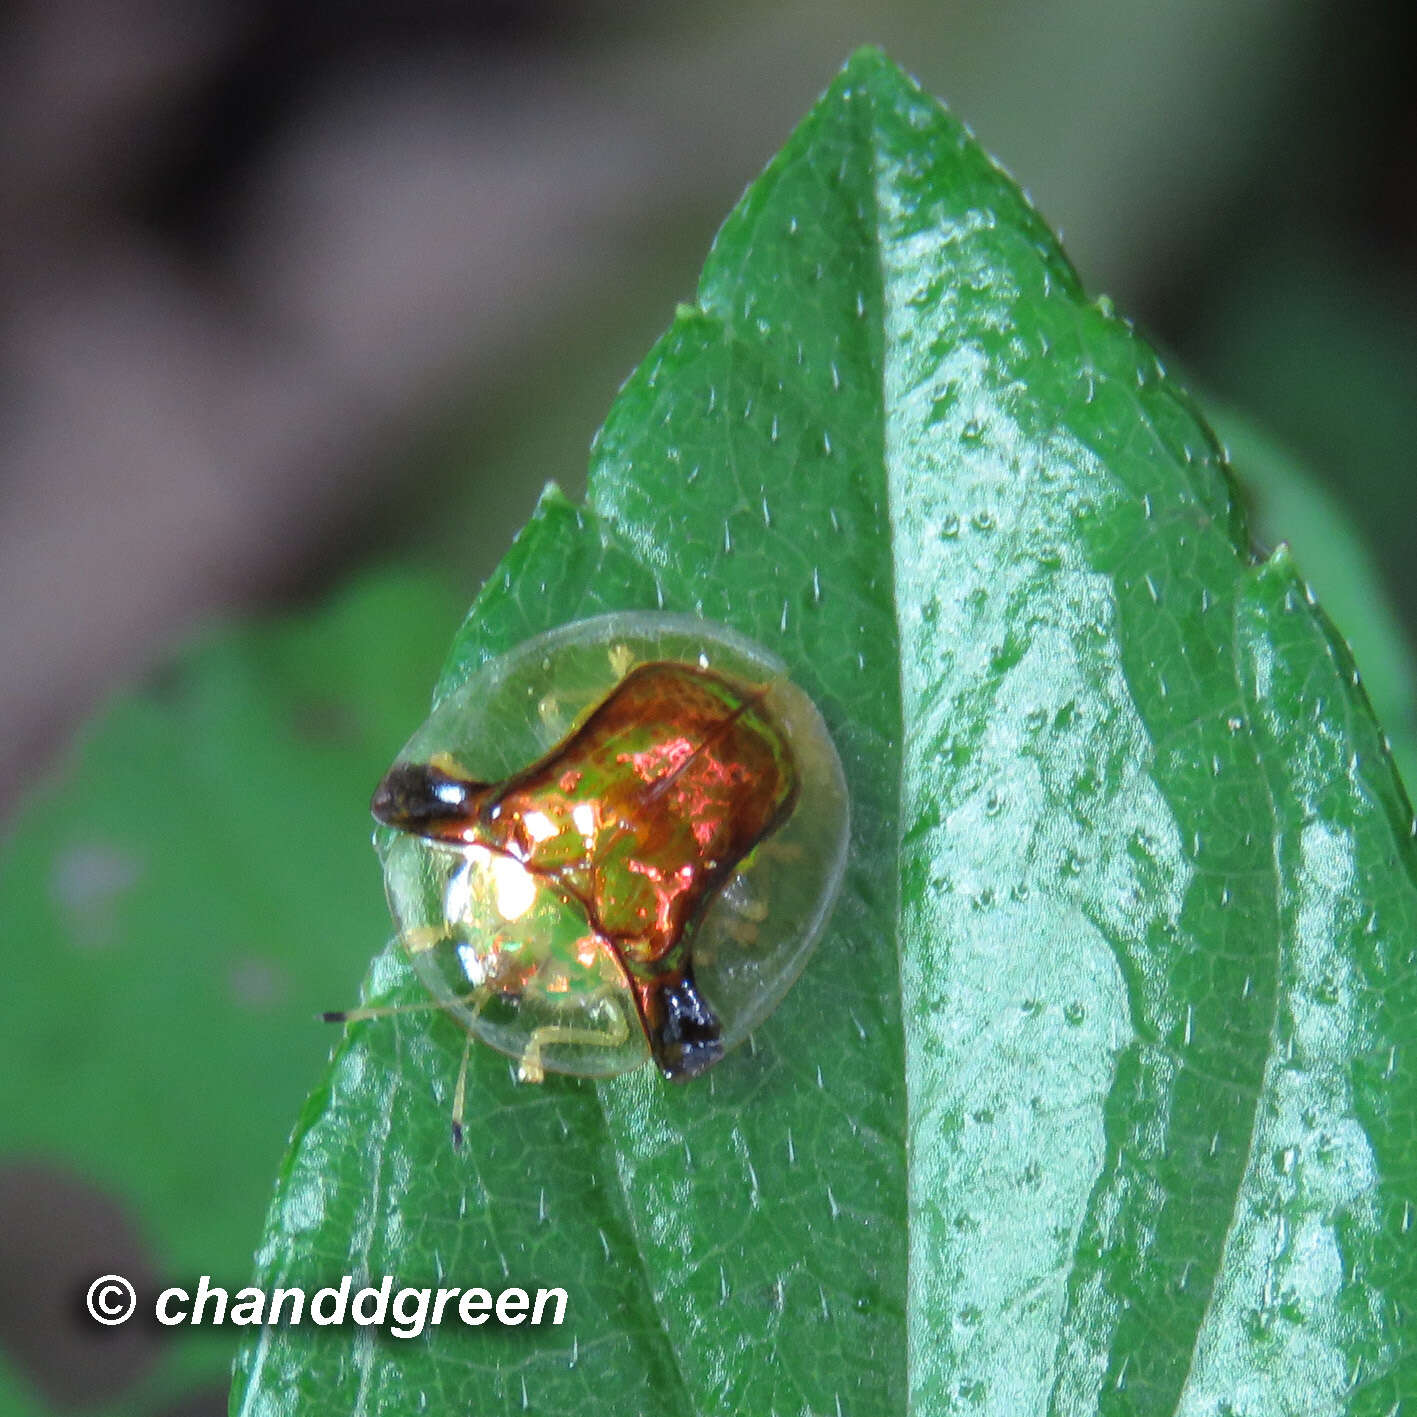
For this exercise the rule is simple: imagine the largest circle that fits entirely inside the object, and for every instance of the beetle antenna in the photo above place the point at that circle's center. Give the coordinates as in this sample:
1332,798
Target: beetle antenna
378,1011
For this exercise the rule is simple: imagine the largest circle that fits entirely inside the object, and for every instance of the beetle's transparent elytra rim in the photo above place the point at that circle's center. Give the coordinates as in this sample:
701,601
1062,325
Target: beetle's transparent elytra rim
751,941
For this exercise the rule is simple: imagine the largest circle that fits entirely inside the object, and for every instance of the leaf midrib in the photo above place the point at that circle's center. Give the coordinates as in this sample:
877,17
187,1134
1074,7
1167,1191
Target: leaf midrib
901,757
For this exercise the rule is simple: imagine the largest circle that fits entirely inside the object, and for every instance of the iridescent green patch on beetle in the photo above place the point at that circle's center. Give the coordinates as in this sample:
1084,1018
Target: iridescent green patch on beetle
620,840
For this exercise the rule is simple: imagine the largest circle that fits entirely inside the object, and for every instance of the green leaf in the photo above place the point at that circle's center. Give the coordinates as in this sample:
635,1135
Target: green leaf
167,954
1288,503
1096,1096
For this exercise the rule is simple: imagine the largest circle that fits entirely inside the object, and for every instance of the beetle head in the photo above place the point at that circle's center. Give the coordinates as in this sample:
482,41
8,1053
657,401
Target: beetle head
427,800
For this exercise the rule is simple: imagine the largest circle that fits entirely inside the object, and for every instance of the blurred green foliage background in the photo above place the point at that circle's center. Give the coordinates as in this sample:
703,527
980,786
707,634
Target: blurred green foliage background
296,291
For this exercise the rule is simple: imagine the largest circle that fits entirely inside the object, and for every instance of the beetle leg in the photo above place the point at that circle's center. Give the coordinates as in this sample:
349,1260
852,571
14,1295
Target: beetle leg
791,852
531,1069
423,937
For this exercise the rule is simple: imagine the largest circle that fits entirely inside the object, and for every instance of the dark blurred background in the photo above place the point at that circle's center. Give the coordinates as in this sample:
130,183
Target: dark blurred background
290,287
289,290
